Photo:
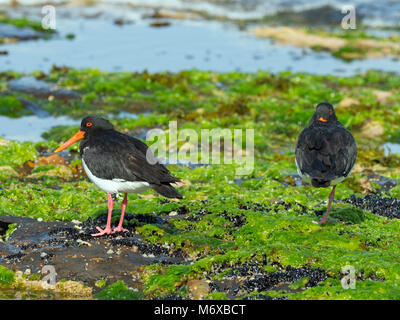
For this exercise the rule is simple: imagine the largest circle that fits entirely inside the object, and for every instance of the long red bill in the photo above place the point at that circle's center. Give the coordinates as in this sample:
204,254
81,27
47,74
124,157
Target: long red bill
322,119
77,136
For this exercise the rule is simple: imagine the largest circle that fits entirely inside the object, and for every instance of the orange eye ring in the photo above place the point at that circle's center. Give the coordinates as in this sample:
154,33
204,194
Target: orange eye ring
89,124
330,111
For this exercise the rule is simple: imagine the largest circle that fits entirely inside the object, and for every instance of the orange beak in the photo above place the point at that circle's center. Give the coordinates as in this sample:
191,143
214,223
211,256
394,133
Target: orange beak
322,120
77,136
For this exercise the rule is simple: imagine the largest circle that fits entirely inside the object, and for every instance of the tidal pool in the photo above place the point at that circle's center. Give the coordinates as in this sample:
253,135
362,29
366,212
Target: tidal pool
390,148
184,44
31,128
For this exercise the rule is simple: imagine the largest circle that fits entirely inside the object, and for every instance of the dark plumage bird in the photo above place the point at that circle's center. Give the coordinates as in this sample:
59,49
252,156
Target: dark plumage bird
325,152
116,162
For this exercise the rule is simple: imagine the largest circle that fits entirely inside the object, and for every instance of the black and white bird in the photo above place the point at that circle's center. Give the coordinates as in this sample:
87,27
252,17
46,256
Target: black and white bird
325,152
116,162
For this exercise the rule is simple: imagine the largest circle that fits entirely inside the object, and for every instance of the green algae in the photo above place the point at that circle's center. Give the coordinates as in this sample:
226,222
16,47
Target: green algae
15,154
6,276
24,22
261,100
228,218
299,284
11,228
118,291
216,296
332,289
12,107
346,44
354,49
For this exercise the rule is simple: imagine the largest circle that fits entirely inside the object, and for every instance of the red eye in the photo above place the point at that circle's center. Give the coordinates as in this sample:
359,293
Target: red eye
330,111
89,124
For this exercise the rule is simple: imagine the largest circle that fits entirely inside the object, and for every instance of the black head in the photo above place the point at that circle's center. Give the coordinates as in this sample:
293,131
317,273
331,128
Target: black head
94,123
324,113
89,125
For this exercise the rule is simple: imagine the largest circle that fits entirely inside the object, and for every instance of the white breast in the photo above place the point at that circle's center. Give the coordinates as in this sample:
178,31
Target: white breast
116,185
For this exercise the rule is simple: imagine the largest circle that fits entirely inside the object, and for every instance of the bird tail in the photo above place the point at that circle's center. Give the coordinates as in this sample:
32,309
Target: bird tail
166,190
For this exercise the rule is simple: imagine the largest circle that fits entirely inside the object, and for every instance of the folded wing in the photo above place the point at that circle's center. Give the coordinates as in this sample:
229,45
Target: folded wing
127,158
326,155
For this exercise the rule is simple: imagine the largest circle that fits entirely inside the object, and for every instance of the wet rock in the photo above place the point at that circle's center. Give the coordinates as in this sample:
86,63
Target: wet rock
261,297
160,14
7,249
26,168
372,130
293,179
39,289
366,185
34,108
231,287
385,207
382,96
169,297
348,102
62,169
291,275
159,24
323,15
54,159
73,288
12,32
123,21
4,142
298,37
8,171
245,278
385,183
29,105
362,48
238,220
198,288
41,89
62,172
78,256
31,232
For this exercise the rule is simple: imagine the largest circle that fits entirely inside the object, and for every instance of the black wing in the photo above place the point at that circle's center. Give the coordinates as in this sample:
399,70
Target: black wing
326,153
114,155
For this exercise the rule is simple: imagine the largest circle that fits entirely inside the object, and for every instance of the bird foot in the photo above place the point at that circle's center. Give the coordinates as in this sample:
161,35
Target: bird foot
119,229
102,232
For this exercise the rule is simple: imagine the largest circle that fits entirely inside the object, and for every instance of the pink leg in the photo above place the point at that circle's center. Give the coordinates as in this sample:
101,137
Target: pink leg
325,217
121,220
107,230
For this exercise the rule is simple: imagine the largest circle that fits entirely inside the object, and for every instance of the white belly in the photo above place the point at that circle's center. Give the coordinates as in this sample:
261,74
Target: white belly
116,185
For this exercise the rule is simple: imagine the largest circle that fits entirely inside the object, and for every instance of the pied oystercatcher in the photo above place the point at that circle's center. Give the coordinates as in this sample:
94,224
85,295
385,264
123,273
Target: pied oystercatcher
325,152
116,162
